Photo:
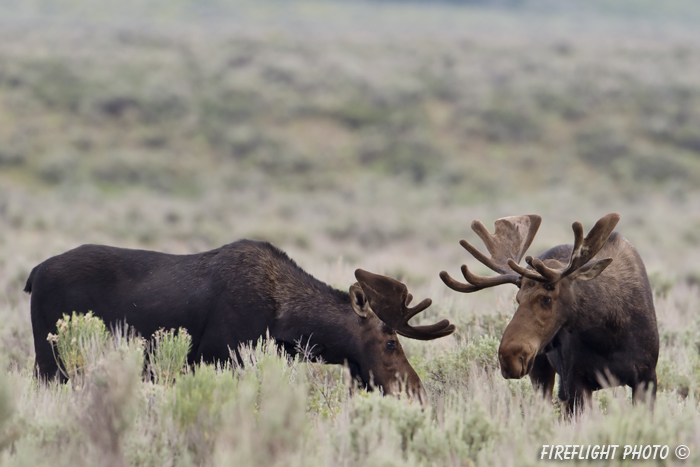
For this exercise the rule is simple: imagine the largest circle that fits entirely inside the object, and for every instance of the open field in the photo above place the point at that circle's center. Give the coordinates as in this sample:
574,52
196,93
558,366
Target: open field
349,135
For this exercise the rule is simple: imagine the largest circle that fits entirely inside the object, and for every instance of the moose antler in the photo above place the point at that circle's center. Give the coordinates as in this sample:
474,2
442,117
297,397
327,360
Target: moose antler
507,246
584,248
389,299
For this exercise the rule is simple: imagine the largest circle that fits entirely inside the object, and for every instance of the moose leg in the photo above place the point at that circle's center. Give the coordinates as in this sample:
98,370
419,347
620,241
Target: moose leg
46,359
44,316
575,405
574,393
211,349
45,364
542,376
220,342
645,388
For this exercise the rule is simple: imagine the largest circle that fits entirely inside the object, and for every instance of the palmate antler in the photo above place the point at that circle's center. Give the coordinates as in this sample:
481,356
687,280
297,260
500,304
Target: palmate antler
389,299
507,246
584,250
512,238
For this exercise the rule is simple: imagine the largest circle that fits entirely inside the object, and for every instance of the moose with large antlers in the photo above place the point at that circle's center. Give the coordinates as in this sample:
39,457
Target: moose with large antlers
233,295
585,311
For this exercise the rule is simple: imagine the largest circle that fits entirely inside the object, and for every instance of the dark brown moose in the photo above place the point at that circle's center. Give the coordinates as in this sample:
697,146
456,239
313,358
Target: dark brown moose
585,311
234,295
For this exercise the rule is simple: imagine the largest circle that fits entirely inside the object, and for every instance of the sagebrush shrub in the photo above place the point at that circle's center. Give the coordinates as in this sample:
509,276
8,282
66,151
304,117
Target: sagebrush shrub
266,423
168,354
201,395
6,413
80,341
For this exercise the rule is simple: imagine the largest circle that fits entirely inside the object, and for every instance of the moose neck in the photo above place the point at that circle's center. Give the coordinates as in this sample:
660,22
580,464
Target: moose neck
316,319
612,299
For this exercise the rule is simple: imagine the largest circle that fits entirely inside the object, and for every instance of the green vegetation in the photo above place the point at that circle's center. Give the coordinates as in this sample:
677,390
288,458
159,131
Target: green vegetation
167,357
80,339
350,134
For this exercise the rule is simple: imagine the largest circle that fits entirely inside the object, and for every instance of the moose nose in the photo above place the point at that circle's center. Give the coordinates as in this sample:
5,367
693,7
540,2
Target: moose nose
515,363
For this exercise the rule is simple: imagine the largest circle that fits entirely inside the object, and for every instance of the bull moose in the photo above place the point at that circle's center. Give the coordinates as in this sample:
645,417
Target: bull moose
233,295
585,312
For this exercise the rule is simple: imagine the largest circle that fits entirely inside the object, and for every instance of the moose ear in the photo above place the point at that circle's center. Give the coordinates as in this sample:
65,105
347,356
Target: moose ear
592,271
358,300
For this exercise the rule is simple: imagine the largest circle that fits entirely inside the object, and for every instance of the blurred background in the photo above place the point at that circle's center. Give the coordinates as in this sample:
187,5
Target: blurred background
350,134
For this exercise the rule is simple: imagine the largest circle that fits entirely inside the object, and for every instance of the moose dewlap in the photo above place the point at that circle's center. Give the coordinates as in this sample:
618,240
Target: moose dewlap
585,311
234,295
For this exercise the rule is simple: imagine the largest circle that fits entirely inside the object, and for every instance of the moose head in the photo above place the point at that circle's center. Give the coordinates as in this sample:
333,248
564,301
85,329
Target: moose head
547,287
382,305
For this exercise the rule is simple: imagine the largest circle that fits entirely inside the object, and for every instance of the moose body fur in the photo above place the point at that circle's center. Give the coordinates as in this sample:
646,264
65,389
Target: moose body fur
224,297
610,335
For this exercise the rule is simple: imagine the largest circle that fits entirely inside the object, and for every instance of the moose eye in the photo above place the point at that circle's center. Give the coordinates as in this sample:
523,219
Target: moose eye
391,345
545,301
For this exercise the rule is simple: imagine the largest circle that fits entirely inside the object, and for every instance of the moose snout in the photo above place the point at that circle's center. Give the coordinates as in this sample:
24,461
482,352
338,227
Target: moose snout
420,395
516,362
413,388
417,393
